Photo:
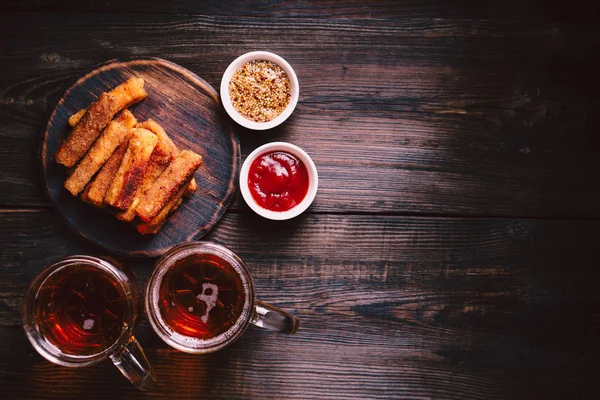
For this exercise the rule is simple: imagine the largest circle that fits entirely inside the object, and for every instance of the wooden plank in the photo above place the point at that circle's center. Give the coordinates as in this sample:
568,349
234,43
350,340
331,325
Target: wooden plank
493,9
451,117
391,307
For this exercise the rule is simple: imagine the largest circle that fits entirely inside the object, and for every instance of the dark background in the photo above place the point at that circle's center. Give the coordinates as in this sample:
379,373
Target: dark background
451,250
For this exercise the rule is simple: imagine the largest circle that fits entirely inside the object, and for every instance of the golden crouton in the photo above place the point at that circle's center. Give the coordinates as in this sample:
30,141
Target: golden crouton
176,176
75,118
95,119
114,134
124,187
95,192
164,152
155,128
158,221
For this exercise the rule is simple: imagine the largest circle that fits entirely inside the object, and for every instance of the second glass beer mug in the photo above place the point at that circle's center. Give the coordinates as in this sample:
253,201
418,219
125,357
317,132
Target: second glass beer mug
200,298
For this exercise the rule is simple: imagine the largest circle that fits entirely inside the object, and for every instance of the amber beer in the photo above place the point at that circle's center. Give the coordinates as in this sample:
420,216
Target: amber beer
202,296
199,297
81,310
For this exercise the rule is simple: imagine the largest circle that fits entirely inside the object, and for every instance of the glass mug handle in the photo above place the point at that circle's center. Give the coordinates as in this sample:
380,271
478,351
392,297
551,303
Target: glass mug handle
272,318
134,365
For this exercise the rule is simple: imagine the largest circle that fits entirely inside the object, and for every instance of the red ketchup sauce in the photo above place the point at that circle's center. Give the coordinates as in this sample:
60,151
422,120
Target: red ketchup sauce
278,180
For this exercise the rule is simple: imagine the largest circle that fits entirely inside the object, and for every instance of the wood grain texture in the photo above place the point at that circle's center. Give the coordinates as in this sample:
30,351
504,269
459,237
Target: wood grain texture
191,113
579,10
391,307
433,108
451,117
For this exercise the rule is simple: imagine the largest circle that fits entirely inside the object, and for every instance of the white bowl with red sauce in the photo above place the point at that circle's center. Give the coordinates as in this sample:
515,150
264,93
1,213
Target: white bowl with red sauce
279,180
236,65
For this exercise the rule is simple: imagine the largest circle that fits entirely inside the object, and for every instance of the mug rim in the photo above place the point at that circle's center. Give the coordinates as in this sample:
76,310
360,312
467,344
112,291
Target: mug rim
53,353
190,344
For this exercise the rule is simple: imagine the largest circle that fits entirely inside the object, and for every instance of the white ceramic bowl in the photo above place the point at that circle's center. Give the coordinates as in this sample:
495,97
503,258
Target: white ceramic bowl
235,65
313,180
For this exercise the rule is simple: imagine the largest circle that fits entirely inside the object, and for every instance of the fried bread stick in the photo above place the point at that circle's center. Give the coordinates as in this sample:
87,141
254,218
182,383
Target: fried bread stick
191,188
158,221
164,152
114,134
124,187
176,206
75,118
95,192
95,119
153,126
176,176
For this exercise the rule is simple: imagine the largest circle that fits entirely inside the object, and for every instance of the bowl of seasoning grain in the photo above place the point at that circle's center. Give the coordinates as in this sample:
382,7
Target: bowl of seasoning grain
259,90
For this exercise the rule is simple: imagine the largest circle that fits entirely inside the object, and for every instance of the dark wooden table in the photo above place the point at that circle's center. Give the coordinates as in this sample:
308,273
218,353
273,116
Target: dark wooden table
451,250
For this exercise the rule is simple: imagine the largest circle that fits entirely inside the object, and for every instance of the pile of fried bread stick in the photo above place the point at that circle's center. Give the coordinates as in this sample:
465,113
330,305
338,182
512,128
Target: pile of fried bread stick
131,169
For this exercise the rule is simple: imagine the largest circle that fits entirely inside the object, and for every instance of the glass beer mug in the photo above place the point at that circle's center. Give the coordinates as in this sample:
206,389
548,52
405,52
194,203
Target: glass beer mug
82,310
200,298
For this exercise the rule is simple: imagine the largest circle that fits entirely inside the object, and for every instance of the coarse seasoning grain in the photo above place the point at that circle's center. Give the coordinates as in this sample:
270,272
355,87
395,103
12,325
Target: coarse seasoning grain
260,90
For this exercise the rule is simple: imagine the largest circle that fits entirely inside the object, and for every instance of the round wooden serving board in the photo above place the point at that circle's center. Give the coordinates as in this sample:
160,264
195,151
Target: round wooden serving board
191,113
